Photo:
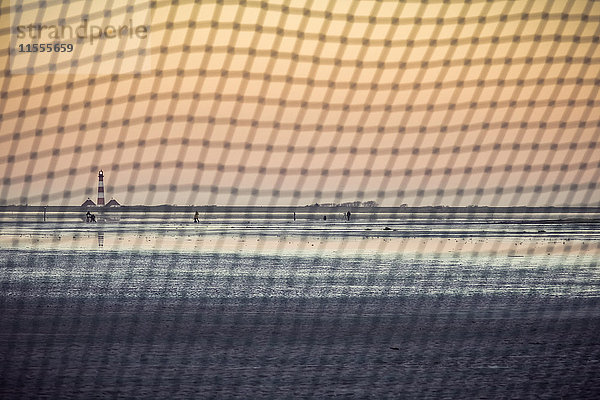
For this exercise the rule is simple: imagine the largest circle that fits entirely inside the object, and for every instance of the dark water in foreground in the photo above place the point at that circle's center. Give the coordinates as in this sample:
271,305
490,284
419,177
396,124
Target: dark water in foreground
306,315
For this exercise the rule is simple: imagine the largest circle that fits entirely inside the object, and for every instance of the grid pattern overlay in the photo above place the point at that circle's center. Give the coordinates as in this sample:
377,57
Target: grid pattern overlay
474,126
274,103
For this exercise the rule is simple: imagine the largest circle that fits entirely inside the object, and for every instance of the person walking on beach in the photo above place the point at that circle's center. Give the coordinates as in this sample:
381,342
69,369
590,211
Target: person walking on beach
196,217
348,215
88,217
92,218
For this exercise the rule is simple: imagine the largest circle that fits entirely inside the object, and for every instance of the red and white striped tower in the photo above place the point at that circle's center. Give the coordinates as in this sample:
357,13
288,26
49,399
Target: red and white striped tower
100,188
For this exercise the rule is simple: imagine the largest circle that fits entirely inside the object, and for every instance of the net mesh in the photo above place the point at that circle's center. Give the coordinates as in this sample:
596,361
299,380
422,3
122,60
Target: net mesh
430,110
487,103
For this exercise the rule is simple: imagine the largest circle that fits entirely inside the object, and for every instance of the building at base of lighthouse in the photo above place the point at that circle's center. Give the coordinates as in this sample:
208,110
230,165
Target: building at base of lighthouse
88,203
113,203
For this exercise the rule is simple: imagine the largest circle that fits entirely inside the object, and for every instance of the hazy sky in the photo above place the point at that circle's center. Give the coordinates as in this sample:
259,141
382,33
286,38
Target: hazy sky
294,102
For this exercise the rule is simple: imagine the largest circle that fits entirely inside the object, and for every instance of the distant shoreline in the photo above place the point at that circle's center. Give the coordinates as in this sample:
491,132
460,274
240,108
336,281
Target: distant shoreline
305,209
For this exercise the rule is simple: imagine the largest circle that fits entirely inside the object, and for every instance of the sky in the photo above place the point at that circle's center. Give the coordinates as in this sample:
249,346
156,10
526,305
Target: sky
297,102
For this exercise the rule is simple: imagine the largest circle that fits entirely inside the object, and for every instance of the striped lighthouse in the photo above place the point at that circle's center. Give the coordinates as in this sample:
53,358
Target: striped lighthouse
100,188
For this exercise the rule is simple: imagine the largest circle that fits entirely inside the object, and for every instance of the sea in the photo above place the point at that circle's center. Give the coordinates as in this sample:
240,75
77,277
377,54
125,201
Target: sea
153,305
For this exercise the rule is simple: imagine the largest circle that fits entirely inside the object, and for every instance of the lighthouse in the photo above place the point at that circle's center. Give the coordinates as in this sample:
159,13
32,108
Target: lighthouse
100,188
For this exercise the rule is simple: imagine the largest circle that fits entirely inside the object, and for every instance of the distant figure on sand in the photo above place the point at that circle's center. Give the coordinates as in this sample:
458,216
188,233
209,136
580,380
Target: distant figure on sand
196,217
324,217
294,216
89,217
348,215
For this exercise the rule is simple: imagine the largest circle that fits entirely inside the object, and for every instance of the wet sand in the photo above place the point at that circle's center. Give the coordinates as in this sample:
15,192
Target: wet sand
416,347
236,310
310,239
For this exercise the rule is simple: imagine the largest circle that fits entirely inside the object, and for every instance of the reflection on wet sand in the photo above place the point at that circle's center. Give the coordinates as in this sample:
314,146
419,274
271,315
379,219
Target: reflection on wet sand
100,234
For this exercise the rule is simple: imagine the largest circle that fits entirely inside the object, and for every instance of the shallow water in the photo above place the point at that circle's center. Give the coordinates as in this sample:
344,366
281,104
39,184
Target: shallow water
449,236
